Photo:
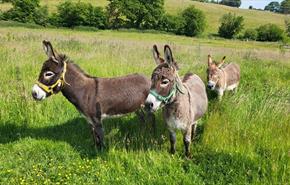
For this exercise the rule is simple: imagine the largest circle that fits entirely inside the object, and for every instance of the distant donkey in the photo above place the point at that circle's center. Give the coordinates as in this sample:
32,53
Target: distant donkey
222,77
184,101
96,98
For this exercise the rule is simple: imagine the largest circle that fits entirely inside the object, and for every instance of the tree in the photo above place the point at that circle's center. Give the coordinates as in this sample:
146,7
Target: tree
231,25
250,7
27,11
140,14
285,7
269,32
273,6
233,3
194,20
79,14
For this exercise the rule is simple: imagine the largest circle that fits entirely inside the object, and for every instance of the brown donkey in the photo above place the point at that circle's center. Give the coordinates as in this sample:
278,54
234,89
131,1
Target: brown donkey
96,98
222,77
184,101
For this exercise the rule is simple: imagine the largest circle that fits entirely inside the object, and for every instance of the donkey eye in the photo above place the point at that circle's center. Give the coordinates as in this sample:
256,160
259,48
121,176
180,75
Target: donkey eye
48,74
165,82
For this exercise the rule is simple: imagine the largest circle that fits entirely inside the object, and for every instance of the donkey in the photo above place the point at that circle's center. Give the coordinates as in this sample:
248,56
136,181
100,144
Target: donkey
184,102
96,98
222,77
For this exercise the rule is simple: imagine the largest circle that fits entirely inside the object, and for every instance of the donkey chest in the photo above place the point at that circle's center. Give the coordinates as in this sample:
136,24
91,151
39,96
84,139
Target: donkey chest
175,123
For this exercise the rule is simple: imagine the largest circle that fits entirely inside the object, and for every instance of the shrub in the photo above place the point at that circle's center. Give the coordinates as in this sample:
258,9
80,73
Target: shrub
269,32
231,25
194,21
287,24
250,34
26,11
233,3
78,14
171,23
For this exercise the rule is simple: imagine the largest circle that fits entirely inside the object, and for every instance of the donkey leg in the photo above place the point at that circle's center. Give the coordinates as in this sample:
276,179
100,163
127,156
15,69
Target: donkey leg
187,141
152,119
172,136
141,115
220,94
193,130
98,134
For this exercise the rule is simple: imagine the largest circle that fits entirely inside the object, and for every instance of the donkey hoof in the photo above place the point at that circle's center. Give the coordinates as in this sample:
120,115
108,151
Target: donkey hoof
172,151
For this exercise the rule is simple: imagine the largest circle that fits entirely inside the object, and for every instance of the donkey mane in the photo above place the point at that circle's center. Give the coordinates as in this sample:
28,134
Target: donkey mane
63,58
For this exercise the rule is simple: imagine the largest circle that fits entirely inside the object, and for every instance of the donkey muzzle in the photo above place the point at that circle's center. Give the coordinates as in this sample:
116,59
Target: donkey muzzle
38,93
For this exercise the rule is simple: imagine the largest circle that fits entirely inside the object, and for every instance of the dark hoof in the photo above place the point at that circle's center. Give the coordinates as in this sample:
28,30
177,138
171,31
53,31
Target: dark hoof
188,156
172,151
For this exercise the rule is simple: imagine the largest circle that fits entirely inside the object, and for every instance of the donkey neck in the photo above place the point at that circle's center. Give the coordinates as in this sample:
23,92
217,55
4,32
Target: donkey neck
76,84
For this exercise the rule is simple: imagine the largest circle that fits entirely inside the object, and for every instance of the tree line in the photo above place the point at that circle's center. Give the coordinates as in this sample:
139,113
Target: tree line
137,14
275,6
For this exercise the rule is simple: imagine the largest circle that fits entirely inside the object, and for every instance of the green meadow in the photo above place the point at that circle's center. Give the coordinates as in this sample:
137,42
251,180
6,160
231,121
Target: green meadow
244,139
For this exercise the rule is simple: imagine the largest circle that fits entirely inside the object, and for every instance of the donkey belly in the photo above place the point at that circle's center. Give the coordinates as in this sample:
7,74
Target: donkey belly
232,87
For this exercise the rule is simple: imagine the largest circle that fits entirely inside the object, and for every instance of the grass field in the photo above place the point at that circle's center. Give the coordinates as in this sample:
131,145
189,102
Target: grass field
213,12
244,139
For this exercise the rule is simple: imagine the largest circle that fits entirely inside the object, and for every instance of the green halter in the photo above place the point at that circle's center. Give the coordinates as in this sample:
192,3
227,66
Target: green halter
166,99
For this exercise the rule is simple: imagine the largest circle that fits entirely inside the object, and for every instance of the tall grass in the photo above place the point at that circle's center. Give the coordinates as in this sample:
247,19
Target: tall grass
244,139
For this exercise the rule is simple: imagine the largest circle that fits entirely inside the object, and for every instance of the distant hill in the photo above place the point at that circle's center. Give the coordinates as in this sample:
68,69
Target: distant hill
213,12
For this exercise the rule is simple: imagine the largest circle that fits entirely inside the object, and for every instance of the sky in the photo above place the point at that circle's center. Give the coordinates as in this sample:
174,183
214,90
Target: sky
256,3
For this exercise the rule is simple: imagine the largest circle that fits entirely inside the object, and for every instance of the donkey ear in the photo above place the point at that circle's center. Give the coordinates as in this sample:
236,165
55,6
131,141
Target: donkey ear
209,60
156,55
222,61
48,49
168,55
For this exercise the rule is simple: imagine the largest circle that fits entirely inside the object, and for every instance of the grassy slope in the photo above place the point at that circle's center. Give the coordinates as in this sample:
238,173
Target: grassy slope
243,139
213,12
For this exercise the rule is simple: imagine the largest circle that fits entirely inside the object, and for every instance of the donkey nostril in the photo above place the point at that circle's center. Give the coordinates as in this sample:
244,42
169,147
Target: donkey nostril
148,105
34,94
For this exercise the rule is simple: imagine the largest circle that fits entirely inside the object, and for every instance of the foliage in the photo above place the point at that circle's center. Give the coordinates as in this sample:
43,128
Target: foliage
269,32
140,14
171,23
250,34
233,3
287,24
273,6
27,11
285,6
79,14
194,21
231,25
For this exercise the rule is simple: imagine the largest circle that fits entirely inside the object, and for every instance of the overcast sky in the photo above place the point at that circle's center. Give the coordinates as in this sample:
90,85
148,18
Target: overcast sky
256,3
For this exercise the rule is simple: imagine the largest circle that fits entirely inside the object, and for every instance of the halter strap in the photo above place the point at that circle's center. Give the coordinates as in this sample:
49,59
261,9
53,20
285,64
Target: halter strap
166,99
49,88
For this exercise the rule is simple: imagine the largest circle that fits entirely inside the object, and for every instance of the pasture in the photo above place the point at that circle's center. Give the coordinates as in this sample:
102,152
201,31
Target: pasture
244,139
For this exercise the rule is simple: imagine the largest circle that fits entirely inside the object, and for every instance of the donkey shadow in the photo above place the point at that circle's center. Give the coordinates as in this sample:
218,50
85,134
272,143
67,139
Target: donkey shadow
120,133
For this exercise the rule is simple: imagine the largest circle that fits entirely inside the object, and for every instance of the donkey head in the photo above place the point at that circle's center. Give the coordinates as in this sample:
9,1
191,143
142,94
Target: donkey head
51,77
165,81
213,72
